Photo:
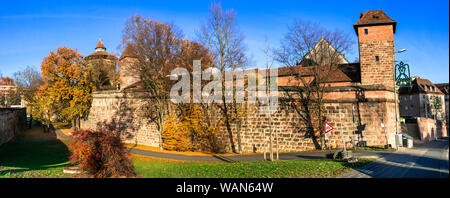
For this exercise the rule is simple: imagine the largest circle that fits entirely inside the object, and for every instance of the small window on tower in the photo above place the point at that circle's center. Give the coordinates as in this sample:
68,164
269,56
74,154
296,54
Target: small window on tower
377,58
366,31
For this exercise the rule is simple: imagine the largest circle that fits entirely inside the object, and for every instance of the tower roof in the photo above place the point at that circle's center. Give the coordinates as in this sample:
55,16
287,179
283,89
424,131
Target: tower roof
128,52
374,17
100,52
100,45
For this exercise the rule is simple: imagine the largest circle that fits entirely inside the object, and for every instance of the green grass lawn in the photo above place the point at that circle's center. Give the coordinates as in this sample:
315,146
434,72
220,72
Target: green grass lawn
34,154
38,154
157,168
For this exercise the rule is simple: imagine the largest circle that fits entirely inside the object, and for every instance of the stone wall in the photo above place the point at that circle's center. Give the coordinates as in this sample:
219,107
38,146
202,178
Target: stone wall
120,109
431,129
379,41
411,129
11,121
287,126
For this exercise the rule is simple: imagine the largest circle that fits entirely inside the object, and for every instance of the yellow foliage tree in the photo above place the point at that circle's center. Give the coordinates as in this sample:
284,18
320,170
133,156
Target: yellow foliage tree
66,90
204,127
175,135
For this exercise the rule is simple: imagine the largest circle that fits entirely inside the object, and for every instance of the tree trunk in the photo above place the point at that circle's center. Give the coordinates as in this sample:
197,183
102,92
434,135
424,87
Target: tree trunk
74,124
276,142
322,142
30,124
239,137
161,128
271,145
79,122
264,145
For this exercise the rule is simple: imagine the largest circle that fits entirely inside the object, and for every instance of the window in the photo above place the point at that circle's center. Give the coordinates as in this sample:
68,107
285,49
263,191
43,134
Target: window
366,31
377,58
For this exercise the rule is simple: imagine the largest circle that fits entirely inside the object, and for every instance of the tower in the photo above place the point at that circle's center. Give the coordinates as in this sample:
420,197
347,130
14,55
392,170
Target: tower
375,31
128,64
103,68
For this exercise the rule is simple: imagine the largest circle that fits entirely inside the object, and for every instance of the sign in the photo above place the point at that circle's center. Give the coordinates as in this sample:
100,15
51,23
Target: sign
328,127
402,75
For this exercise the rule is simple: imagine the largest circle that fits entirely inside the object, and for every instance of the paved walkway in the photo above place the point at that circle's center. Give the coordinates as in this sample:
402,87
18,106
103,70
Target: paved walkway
426,160
255,157
246,157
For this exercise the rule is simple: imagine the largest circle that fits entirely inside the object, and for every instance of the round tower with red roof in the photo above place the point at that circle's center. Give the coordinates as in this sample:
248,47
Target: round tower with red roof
103,68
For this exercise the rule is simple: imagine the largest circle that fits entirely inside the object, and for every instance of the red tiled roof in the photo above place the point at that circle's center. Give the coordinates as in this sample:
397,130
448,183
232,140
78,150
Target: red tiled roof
374,17
128,52
420,85
341,73
7,81
444,87
101,54
100,45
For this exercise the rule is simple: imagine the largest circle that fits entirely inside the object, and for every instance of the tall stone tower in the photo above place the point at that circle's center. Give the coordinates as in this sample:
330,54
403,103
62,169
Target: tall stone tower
375,31
103,68
129,76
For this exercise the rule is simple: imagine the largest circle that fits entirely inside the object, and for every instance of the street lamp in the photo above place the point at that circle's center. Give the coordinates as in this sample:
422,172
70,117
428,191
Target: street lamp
395,94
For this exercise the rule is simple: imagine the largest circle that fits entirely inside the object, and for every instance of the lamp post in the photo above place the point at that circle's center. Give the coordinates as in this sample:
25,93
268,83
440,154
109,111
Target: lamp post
395,93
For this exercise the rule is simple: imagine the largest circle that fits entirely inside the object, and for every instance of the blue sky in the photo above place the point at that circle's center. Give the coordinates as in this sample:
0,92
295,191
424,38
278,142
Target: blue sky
30,29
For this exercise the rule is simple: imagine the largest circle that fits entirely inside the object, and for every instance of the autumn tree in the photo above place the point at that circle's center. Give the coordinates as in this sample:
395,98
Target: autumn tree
12,97
199,117
66,90
221,35
157,46
28,82
310,55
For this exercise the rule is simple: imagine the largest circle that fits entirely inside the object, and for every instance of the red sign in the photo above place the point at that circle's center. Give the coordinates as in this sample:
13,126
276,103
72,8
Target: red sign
328,127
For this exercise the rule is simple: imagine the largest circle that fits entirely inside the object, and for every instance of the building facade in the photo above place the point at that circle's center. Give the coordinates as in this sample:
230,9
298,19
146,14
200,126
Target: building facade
444,87
7,88
422,99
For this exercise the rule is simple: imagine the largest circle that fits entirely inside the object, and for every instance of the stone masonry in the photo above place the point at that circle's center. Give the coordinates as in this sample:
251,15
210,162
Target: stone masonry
11,121
120,110
379,42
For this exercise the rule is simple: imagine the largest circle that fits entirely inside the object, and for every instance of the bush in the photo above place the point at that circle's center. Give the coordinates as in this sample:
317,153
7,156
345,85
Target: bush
101,153
175,135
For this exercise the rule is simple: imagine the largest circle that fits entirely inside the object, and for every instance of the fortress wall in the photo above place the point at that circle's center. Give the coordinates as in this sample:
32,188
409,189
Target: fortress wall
11,121
121,109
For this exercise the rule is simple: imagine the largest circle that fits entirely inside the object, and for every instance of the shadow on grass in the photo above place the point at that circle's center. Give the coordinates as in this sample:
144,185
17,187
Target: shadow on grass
33,150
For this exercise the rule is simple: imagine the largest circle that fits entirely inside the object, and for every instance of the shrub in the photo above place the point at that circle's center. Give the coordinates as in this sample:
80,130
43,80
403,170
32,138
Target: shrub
101,153
175,135
203,129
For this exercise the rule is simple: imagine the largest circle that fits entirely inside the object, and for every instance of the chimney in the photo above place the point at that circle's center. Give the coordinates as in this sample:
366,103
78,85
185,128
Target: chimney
360,14
296,62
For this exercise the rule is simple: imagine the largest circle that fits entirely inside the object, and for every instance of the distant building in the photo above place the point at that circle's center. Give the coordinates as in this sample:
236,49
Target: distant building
317,55
444,87
422,99
6,84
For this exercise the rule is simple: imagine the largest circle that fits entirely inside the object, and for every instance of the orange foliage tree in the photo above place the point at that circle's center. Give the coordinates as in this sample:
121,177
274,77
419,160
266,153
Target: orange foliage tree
66,90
